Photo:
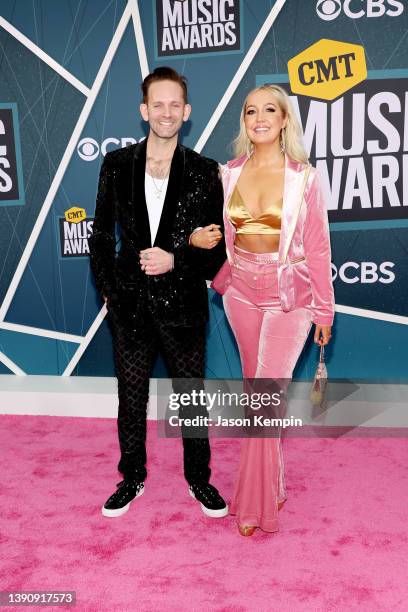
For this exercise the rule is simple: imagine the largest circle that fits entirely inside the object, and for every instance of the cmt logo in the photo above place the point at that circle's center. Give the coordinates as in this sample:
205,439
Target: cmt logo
327,69
88,149
366,272
355,9
74,230
75,215
11,172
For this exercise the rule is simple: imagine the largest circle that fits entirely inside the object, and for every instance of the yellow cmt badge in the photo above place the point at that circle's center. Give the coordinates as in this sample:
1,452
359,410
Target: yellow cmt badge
75,215
327,69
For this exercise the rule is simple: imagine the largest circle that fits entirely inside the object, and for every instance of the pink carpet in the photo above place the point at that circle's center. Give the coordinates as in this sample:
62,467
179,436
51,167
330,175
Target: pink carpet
342,543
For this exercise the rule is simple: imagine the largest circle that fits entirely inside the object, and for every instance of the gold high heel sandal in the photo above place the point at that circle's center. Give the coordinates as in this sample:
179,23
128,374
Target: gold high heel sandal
246,530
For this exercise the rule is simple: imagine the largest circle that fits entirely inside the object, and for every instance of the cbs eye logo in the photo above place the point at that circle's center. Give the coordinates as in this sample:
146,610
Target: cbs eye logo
328,9
88,149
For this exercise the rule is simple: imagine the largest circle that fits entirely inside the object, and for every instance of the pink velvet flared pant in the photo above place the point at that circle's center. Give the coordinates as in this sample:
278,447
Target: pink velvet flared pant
270,342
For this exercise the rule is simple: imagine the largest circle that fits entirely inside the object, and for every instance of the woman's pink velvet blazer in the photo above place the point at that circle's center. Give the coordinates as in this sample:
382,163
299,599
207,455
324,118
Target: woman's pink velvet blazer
305,278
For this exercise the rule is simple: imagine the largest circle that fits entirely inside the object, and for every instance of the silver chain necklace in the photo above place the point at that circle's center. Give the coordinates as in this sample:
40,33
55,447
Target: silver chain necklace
158,190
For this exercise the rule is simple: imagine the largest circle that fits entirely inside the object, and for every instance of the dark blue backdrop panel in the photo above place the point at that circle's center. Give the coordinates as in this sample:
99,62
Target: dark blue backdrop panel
66,284
75,33
48,108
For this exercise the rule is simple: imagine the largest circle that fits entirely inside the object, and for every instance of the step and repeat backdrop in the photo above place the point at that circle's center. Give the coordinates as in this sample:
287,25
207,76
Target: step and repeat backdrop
70,91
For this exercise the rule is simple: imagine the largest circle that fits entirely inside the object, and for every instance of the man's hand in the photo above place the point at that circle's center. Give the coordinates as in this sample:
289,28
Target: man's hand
322,334
156,261
207,237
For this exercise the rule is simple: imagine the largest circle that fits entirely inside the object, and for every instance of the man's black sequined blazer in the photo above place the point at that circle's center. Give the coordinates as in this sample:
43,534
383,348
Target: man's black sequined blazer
121,230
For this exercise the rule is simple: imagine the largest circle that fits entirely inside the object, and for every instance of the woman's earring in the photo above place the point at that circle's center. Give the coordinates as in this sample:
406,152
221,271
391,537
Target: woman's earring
282,140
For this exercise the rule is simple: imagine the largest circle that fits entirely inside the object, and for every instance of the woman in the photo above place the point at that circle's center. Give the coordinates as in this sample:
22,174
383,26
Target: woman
277,279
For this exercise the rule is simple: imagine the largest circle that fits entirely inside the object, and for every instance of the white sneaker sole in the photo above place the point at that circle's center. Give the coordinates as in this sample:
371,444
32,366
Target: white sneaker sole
211,513
120,511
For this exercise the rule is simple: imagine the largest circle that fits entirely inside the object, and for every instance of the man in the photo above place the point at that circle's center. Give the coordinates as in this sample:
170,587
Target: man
152,196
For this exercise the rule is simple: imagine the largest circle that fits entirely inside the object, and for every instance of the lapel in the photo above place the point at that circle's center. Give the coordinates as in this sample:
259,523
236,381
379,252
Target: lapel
138,195
294,173
172,199
231,174
234,171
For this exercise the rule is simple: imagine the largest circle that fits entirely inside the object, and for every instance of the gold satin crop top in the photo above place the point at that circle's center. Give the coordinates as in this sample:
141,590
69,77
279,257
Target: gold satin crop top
269,222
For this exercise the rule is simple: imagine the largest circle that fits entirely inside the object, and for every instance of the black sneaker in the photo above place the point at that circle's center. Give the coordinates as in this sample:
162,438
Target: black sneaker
211,501
119,502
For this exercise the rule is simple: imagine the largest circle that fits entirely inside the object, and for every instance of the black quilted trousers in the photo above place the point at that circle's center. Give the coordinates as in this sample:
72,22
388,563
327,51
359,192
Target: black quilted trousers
183,350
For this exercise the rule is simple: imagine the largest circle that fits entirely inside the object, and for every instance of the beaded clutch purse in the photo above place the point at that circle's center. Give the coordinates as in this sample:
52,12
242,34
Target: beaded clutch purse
319,386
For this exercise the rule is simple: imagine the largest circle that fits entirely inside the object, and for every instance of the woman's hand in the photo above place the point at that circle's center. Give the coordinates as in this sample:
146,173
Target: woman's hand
207,237
322,334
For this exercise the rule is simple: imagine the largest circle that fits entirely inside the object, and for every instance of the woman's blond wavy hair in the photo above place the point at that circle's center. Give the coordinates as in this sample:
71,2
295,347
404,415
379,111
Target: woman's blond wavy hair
292,133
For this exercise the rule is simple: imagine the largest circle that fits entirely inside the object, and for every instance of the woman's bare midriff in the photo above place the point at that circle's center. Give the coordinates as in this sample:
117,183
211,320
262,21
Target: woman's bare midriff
258,243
